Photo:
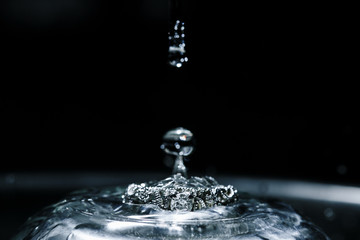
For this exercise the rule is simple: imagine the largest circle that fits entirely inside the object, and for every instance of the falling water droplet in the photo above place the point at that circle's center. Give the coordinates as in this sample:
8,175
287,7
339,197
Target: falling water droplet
177,52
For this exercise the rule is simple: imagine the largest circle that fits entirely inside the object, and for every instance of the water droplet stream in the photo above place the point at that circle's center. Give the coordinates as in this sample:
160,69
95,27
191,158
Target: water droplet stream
177,52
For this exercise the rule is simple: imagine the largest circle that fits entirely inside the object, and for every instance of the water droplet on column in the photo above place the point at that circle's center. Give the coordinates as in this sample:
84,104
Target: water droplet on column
178,142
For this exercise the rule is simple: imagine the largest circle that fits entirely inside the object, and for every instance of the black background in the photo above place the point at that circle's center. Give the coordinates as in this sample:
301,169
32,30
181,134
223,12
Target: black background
269,89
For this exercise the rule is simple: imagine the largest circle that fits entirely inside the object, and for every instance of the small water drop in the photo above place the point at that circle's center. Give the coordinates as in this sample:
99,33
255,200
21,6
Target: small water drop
329,214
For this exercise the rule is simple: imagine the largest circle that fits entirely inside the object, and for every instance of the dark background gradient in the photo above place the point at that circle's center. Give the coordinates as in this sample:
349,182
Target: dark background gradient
268,90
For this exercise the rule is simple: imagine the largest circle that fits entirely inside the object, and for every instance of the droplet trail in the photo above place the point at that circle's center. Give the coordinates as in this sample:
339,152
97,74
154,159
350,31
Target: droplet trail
176,35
